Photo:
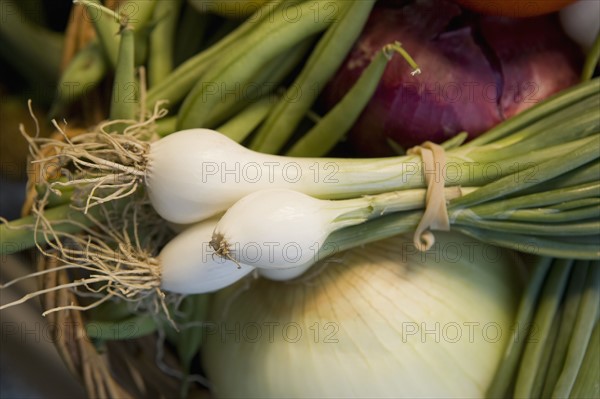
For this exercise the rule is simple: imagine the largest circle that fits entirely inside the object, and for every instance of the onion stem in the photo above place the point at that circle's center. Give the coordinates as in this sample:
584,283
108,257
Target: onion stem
592,59
481,222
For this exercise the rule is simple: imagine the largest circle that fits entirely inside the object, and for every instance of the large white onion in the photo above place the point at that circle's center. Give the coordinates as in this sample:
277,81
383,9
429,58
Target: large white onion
357,328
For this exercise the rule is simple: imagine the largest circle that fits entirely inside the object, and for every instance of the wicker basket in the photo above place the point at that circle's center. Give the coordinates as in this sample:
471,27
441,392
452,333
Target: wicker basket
123,368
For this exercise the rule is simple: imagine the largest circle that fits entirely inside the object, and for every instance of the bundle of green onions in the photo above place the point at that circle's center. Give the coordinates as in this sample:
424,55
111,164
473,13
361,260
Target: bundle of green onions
334,229
540,208
529,184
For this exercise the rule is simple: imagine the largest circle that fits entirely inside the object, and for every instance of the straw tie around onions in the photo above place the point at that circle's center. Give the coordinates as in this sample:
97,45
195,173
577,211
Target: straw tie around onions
436,214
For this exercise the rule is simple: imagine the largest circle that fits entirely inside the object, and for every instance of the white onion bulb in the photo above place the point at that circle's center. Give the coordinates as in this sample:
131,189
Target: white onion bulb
380,321
190,266
282,228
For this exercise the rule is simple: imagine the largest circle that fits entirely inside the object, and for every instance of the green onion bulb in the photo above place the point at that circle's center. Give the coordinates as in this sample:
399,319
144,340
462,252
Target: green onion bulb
189,266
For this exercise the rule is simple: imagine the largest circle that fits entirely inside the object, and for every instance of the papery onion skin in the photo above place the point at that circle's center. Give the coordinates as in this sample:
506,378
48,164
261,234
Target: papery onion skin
349,331
535,66
476,71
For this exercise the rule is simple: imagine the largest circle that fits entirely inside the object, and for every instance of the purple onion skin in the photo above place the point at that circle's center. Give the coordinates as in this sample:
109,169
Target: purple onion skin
475,73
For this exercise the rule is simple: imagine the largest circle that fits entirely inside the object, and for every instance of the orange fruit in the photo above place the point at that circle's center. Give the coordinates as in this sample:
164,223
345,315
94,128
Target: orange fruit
514,8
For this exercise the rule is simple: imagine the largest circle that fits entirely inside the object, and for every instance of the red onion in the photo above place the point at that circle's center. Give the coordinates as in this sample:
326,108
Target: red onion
476,72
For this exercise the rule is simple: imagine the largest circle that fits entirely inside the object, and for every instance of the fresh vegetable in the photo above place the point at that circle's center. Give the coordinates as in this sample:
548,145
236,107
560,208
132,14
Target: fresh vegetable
555,349
326,58
223,172
161,55
320,140
541,210
515,8
180,81
125,88
529,184
516,158
237,68
229,8
194,174
256,229
591,61
121,265
380,321
476,72
189,265
107,24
